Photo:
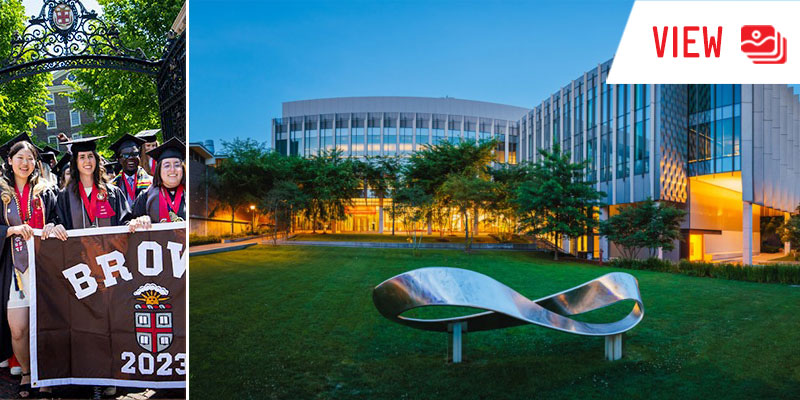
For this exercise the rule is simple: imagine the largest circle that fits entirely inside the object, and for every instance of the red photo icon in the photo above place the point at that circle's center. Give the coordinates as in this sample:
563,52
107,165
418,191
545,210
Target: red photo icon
763,44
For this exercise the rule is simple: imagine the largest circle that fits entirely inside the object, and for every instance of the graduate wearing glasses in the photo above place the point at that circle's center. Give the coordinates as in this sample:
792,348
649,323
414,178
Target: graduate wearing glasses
165,200
133,179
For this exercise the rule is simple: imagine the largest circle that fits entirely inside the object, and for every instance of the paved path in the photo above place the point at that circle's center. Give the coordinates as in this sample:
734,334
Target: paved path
400,245
223,247
767,258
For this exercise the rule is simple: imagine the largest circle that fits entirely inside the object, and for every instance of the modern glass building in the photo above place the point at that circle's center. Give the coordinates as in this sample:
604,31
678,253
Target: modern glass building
370,126
727,154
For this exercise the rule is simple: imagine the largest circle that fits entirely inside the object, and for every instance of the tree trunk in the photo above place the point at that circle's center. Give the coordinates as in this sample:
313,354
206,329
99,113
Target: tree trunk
233,215
466,230
555,252
380,215
475,221
314,224
430,223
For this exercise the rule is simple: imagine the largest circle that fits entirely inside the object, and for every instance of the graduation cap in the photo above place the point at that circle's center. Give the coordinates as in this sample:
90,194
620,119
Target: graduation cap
111,167
126,140
48,149
48,154
84,144
47,157
6,148
173,148
62,164
150,135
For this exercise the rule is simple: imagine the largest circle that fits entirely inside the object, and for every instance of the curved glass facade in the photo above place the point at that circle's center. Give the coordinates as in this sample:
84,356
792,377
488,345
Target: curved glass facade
360,134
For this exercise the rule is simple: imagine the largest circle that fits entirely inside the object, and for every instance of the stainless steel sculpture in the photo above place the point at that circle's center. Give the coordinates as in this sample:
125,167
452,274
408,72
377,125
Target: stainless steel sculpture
442,286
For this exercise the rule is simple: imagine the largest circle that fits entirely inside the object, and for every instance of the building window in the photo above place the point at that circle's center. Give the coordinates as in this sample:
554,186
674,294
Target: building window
52,140
281,136
74,118
71,99
714,129
51,120
295,134
51,99
76,136
422,132
343,134
642,115
326,132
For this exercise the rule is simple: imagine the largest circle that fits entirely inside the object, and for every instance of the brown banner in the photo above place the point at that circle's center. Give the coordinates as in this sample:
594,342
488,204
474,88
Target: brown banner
109,308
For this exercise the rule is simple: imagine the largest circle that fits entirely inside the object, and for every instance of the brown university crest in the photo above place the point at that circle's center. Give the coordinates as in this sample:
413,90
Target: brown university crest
153,318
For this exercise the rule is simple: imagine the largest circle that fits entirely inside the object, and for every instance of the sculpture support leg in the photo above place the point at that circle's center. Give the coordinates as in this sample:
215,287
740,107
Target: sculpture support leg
457,340
614,347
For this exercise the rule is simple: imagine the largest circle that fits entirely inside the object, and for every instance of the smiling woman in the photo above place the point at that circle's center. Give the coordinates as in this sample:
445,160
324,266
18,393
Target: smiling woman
88,200
164,200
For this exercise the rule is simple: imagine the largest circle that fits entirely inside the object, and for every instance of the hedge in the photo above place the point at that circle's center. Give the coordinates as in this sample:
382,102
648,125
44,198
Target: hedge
770,273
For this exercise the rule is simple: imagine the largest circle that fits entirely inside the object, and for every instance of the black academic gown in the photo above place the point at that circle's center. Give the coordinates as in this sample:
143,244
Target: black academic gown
7,267
144,181
116,198
147,203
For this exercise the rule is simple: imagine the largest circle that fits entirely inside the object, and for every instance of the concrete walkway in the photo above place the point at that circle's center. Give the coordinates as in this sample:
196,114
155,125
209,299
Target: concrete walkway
400,245
222,247
768,258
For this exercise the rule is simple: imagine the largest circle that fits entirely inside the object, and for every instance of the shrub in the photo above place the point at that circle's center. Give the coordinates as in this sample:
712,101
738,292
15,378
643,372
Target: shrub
196,240
771,273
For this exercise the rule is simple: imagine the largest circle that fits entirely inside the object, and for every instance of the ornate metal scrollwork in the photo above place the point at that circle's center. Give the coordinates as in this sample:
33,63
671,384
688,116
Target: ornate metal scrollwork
172,89
64,36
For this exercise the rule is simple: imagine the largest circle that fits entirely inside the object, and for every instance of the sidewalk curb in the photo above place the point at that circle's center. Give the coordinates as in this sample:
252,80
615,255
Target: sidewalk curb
219,250
426,246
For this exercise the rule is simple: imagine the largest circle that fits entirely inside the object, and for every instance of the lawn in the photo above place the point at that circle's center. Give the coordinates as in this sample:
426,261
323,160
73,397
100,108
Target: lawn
397,238
299,323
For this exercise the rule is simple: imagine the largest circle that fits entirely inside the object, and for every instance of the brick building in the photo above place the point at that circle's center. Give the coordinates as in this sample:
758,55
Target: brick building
61,116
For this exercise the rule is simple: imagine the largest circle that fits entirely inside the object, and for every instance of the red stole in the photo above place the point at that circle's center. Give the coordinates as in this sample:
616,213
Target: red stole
31,215
98,206
165,205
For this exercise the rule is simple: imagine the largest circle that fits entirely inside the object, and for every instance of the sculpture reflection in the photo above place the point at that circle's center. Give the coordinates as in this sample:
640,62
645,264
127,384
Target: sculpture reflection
443,286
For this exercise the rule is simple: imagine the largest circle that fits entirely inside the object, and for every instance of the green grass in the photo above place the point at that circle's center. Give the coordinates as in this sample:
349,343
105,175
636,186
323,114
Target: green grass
397,238
299,323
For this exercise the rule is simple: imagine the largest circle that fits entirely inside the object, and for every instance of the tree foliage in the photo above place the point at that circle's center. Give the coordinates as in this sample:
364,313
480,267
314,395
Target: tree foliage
412,204
122,101
555,200
333,185
392,168
22,101
502,208
238,180
790,231
429,168
281,201
468,192
644,225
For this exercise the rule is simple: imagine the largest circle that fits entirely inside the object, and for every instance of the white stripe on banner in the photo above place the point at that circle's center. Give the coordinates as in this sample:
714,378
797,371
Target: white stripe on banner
747,42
